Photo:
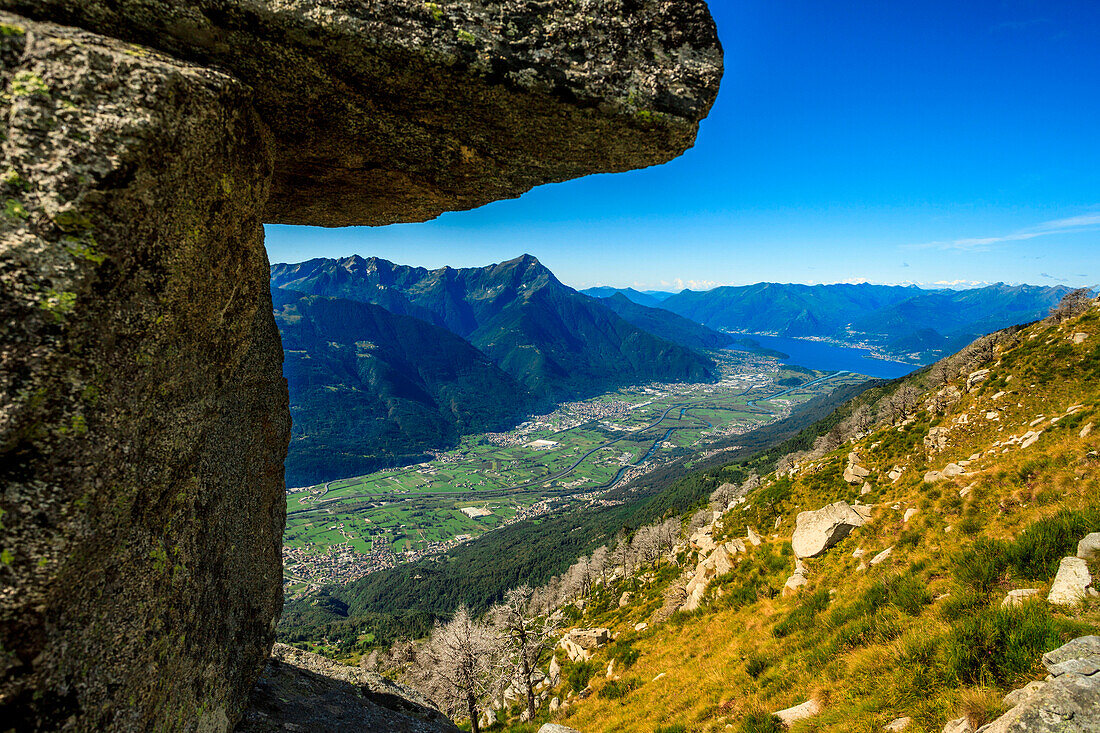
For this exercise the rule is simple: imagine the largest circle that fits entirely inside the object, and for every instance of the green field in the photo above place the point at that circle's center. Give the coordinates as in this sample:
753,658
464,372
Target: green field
591,444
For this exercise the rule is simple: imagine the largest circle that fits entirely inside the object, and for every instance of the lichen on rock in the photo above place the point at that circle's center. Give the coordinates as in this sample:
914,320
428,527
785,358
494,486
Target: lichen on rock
143,420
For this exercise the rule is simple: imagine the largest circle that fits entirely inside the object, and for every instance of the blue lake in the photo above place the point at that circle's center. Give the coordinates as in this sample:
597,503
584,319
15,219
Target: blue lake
818,355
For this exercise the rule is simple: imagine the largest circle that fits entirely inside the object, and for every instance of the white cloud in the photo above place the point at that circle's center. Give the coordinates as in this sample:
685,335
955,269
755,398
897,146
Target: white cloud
1069,225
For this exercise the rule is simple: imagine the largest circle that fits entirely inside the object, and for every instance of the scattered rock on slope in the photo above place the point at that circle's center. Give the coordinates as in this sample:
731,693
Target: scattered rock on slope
817,531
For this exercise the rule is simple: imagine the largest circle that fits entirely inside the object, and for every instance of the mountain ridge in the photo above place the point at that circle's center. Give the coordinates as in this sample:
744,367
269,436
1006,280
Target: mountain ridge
556,342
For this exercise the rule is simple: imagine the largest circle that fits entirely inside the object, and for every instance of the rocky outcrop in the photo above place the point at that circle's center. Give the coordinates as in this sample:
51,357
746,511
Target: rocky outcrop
718,562
579,644
303,691
143,413
1068,702
396,111
817,531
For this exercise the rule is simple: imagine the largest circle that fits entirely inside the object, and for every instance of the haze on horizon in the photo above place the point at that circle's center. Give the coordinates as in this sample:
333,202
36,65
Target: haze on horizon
898,143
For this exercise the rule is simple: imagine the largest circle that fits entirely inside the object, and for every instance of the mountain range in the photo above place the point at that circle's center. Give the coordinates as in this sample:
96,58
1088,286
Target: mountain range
901,320
386,361
554,341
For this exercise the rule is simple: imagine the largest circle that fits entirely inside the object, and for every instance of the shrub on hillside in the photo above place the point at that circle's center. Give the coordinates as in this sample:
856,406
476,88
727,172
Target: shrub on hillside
761,721
580,674
756,665
617,689
802,617
1036,552
1001,645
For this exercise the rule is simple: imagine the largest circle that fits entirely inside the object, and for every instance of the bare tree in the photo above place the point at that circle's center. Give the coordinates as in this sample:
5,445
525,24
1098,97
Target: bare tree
862,419
526,634
698,520
722,496
463,658
942,372
1072,304
668,532
646,544
785,464
600,563
621,553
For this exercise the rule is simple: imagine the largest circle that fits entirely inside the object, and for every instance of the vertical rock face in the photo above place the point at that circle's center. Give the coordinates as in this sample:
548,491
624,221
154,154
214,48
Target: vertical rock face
143,413
143,421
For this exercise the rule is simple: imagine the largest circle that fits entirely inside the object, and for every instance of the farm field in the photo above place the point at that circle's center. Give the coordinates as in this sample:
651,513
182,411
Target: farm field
342,529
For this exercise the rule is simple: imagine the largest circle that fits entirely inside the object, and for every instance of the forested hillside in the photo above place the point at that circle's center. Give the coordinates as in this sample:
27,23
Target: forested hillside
370,389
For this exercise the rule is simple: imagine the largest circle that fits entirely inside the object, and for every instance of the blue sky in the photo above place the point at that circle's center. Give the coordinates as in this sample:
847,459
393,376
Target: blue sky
887,141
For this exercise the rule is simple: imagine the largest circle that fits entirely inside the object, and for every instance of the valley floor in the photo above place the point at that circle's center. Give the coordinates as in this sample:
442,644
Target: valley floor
341,530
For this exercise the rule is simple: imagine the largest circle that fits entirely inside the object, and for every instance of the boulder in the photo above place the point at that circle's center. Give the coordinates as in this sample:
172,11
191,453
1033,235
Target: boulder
792,715
641,626
718,562
1070,584
1019,597
959,725
1085,431
976,378
579,644
932,477
909,513
798,579
556,728
555,704
865,489
753,537
554,672
855,474
625,599
1068,702
936,440
881,557
1016,697
898,724
817,531
1089,547
303,691
1079,338
702,540
951,470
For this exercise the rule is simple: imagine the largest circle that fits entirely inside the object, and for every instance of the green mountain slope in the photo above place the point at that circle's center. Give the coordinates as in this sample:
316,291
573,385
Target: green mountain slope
553,340
634,296
371,389
666,324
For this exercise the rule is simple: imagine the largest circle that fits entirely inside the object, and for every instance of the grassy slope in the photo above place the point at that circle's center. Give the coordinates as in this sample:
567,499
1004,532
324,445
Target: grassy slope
916,635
